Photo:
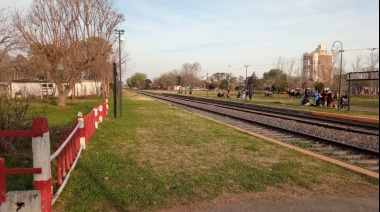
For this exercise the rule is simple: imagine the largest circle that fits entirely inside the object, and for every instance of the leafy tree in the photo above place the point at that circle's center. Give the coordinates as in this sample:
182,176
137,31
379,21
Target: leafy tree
319,86
276,79
146,83
218,78
136,80
253,81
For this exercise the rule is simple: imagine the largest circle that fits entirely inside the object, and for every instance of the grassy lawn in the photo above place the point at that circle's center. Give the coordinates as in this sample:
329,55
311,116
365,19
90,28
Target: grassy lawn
158,156
367,106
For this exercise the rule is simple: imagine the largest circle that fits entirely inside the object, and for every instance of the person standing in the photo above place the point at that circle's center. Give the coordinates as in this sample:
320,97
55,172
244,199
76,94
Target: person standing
315,96
250,94
243,95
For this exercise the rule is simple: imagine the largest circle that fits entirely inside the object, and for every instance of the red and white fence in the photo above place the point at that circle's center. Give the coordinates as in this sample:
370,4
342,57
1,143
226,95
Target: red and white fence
62,161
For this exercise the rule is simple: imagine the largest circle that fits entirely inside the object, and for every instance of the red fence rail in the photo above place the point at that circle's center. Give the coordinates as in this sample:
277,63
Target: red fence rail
63,160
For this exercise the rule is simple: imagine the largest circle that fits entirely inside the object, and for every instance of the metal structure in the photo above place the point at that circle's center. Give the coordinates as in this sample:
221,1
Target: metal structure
359,76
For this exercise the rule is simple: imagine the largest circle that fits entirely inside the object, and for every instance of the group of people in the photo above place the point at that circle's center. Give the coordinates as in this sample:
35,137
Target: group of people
317,98
295,93
244,94
222,94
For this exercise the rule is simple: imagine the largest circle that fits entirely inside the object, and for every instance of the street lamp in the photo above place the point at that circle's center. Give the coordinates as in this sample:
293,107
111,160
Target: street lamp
120,33
340,70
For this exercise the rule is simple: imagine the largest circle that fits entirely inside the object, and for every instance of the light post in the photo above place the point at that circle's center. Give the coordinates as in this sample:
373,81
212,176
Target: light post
246,81
120,33
340,71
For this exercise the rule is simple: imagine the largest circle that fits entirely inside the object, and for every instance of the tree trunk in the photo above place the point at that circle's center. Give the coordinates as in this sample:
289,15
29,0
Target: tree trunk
63,96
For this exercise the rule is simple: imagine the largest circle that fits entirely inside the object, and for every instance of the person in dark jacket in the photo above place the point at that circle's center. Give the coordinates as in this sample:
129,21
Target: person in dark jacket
330,100
250,92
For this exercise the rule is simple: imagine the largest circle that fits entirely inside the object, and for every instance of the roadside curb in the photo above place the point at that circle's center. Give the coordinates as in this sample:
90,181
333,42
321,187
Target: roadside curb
353,118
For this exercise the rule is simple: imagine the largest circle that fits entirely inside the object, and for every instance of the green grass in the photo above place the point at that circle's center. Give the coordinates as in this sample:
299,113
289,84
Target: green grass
61,116
157,156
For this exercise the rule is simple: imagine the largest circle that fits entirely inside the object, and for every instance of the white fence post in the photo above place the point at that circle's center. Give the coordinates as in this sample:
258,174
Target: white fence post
96,116
41,159
100,113
82,136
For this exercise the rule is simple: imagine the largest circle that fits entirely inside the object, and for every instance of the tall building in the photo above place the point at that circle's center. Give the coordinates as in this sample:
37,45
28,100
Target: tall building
317,66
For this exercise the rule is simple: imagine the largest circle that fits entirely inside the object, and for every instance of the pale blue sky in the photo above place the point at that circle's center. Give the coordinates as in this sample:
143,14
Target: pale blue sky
161,35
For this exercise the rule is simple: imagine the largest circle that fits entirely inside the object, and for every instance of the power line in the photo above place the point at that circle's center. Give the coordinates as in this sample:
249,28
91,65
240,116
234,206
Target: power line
265,64
360,49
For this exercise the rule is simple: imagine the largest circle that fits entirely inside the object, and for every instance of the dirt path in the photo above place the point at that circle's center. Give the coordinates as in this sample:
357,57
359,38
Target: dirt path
312,203
292,198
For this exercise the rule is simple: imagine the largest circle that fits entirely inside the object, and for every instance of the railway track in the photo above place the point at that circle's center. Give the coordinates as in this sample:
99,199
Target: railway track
352,142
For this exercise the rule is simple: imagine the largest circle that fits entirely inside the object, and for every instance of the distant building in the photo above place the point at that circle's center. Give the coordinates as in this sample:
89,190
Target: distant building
44,89
317,66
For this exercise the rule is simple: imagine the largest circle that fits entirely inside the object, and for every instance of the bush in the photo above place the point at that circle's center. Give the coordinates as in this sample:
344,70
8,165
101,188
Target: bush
15,114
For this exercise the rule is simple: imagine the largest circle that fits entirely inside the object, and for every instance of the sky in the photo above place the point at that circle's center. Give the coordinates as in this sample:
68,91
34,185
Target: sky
226,35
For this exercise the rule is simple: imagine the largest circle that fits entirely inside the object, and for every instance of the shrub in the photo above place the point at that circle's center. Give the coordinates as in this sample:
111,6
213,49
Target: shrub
15,114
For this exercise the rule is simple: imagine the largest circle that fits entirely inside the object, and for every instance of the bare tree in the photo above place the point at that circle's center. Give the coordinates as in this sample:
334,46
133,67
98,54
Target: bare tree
280,64
8,36
298,73
189,73
357,65
290,70
8,45
166,79
372,61
66,32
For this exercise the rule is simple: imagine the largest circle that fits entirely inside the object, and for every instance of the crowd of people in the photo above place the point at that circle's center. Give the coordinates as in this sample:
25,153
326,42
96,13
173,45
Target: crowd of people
309,97
242,94
313,97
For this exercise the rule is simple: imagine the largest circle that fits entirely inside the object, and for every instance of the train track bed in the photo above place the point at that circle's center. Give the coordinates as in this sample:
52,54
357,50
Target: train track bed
350,141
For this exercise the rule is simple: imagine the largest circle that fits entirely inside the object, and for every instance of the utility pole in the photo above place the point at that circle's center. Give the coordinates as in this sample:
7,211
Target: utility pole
229,79
246,81
120,33
207,84
114,89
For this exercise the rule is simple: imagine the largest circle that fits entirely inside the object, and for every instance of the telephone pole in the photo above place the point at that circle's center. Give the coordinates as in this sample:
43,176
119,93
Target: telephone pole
246,81
120,33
